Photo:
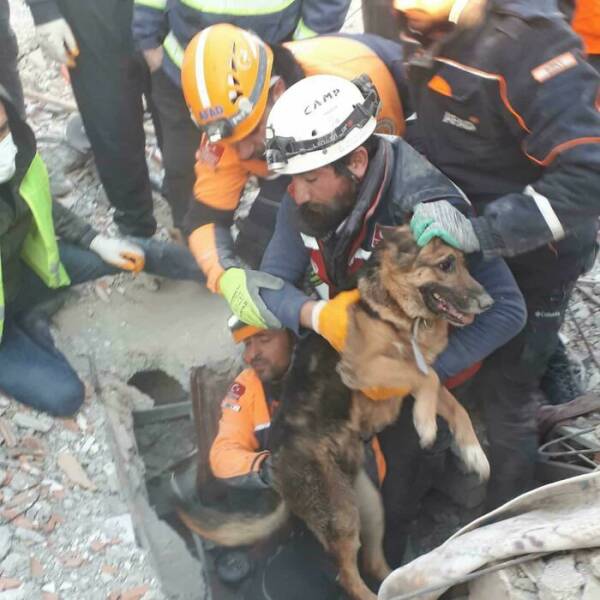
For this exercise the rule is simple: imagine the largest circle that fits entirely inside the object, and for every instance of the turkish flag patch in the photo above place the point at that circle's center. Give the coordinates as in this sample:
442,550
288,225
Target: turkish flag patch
236,391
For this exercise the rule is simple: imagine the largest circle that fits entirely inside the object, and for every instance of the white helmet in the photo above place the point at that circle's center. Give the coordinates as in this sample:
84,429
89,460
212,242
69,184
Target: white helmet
318,120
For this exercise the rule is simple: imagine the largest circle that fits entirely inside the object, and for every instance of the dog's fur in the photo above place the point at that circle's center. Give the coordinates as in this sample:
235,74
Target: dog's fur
317,435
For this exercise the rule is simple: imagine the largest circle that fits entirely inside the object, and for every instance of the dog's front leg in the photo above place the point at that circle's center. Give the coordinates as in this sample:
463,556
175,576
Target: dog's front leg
425,391
461,427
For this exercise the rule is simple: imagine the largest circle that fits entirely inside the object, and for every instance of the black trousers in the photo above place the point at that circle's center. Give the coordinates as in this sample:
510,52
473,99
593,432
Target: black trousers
181,139
9,76
508,383
108,83
410,472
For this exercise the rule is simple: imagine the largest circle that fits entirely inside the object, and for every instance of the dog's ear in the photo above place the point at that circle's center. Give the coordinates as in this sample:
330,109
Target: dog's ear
400,239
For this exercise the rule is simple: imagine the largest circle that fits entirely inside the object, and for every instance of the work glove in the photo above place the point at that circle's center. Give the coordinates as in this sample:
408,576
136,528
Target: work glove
118,252
58,42
241,289
441,219
330,320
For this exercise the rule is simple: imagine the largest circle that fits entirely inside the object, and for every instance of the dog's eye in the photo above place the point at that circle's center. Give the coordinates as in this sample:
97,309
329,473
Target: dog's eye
447,265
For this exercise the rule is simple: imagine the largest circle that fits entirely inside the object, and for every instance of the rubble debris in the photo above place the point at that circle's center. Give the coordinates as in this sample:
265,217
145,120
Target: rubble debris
42,423
74,471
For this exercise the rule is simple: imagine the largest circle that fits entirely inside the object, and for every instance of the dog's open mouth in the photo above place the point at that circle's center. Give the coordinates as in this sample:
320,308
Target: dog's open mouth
443,307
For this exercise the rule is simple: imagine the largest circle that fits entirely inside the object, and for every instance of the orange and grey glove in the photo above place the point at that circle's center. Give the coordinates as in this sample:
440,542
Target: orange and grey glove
118,252
330,320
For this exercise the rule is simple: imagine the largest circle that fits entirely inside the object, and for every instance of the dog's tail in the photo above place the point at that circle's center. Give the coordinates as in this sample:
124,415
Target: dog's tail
232,528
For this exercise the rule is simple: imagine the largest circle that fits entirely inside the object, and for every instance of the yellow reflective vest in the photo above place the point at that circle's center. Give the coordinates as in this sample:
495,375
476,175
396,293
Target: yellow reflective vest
40,250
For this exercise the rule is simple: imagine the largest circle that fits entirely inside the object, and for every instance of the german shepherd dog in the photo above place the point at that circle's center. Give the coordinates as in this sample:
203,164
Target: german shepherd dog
317,436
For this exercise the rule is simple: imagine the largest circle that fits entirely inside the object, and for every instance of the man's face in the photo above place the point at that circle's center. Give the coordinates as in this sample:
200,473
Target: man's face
252,147
423,15
323,200
268,353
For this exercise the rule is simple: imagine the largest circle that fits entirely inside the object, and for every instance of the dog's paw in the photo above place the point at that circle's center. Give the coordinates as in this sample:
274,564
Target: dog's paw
476,460
426,428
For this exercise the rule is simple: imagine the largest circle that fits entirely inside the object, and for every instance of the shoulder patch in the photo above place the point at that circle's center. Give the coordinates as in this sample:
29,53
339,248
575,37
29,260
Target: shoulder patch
234,406
209,154
555,66
236,391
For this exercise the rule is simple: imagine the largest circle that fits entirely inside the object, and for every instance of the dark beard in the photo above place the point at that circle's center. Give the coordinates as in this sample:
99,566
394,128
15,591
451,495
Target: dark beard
319,220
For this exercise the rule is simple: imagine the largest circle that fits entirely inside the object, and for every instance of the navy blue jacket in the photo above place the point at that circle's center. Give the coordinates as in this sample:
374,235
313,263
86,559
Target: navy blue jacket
173,23
509,110
413,180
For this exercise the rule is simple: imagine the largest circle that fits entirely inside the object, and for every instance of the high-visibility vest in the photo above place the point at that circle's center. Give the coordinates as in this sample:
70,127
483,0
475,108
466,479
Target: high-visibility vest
40,250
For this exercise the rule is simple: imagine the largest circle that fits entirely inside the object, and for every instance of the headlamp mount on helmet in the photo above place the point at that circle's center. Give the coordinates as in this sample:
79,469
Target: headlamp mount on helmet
279,149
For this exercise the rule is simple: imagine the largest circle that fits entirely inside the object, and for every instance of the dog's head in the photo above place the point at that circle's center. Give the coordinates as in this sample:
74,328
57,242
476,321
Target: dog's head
429,282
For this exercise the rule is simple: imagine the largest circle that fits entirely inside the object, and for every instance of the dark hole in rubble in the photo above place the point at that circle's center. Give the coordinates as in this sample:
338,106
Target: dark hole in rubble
168,445
160,386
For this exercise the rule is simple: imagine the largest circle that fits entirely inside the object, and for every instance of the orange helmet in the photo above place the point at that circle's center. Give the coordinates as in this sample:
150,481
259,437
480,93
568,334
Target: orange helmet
225,76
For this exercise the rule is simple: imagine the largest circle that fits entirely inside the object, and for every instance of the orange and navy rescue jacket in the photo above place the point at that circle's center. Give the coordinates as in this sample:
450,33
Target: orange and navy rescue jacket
221,176
242,441
509,110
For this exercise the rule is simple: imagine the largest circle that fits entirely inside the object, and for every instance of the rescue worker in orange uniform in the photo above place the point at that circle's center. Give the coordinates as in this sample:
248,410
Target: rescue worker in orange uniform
586,22
298,568
230,81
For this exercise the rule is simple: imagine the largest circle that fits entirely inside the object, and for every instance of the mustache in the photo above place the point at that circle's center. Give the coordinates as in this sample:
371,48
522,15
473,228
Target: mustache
318,220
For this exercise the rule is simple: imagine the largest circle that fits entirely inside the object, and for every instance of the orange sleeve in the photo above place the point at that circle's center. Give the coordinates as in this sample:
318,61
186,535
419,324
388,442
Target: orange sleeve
220,176
203,245
220,180
235,453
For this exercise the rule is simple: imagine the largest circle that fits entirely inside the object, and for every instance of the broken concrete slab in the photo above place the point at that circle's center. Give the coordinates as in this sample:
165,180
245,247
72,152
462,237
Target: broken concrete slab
561,580
499,586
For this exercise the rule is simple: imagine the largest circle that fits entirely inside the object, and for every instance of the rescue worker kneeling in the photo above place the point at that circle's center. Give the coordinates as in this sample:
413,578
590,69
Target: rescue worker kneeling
34,264
298,567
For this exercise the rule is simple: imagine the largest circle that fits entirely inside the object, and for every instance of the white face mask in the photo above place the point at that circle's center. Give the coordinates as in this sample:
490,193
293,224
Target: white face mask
8,154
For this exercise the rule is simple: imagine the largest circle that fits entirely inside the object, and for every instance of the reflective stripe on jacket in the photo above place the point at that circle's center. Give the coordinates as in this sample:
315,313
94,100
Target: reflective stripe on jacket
174,23
40,250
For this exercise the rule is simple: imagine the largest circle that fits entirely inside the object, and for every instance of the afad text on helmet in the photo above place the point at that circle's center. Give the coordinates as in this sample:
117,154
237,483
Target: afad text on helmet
318,102
212,112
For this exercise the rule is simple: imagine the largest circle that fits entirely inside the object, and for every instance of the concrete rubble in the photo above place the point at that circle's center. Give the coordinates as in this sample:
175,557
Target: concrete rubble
75,522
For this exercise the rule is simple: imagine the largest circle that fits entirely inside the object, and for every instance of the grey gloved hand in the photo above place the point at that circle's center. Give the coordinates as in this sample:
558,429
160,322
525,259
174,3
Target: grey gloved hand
241,288
58,42
441,219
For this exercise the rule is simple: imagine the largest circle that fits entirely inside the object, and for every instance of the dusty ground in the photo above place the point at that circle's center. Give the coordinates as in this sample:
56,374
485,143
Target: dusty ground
69,529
